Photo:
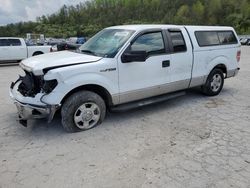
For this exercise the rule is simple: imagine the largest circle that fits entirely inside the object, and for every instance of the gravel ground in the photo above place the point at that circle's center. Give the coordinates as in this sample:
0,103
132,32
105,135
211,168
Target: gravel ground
192,141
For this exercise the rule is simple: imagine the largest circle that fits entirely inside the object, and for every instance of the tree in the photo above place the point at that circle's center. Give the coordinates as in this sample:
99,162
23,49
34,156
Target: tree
182,15
198,10
90,16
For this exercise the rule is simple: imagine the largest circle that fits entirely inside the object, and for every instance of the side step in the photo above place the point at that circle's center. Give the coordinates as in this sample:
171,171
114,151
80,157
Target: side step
148,101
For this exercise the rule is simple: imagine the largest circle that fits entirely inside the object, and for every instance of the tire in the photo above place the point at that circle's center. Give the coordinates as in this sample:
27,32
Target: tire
82,111
214,83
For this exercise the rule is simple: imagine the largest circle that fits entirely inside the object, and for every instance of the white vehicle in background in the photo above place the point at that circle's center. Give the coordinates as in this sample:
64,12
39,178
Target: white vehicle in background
15,49
123,67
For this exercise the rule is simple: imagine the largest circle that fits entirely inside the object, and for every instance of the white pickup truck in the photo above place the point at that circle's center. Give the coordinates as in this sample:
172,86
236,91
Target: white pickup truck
123,67
15,49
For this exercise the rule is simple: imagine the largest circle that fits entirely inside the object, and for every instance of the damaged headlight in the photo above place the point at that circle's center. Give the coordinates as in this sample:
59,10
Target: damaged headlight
30,84
49,85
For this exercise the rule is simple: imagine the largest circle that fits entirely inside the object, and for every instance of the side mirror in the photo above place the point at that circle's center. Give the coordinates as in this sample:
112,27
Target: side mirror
131,56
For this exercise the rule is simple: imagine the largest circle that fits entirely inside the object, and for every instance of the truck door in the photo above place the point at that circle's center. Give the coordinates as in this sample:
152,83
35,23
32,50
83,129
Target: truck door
144,67
181,58
4,50
17,50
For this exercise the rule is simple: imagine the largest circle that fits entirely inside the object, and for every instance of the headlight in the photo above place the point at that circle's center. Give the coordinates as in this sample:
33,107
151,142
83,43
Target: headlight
49,85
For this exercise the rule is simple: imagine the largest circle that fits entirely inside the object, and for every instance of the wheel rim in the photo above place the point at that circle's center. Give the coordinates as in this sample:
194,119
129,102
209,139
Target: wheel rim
87,115
216,82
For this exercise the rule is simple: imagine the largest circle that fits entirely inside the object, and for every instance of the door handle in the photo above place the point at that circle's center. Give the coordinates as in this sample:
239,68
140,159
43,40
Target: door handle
166,63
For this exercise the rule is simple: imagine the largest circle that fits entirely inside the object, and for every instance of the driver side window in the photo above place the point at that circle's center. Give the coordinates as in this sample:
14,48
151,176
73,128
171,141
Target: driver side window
152,43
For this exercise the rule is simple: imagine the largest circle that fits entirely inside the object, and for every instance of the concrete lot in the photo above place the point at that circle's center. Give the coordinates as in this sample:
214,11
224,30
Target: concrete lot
192,141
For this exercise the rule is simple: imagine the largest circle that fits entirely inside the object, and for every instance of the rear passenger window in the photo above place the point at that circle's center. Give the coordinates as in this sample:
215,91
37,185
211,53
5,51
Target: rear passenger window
178,41
207,38
14,42
4,42
227,37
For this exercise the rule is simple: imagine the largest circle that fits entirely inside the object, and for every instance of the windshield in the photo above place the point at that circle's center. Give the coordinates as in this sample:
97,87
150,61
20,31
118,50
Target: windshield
106,43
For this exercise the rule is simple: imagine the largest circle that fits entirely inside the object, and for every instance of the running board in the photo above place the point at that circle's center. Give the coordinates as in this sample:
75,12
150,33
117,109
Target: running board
145,102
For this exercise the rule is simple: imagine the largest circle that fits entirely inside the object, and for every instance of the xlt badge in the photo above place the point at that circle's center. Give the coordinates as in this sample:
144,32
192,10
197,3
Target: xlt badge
108,70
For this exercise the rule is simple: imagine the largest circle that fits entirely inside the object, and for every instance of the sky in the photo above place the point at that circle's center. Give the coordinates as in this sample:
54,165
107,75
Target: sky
12,11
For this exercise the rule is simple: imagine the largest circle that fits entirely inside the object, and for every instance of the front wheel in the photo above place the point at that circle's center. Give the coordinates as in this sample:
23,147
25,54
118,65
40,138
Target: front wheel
83,111
214,83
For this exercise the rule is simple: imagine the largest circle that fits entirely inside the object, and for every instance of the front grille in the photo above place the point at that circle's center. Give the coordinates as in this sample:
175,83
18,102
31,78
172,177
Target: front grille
30,85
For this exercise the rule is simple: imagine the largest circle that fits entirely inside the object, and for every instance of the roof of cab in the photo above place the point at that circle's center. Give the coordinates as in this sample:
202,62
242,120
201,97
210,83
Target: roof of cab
143,27
208,28
154,26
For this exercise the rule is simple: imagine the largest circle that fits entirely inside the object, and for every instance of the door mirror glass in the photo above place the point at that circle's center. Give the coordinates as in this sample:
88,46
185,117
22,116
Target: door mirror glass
131,56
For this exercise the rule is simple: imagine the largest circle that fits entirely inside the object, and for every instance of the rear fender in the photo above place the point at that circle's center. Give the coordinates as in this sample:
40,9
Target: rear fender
217,61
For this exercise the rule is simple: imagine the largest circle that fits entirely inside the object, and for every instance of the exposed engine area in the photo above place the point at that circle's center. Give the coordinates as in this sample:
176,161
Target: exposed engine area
30,85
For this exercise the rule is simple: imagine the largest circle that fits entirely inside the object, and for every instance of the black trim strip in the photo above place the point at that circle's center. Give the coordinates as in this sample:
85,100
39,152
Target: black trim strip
174,30
61,66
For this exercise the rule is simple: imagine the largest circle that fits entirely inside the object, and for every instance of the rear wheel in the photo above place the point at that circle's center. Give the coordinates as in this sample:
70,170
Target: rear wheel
214,83
83,111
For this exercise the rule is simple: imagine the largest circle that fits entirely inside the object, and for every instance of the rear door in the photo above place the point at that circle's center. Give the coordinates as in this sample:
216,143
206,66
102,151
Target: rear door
181,58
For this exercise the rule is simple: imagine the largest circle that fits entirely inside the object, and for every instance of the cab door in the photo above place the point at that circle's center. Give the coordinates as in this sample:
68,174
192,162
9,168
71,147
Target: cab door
182,58
144,67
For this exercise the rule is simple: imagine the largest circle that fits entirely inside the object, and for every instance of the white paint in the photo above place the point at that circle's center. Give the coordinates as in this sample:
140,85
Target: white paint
135,76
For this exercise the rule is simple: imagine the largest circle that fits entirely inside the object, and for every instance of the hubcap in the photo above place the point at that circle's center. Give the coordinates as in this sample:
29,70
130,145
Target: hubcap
87,115
216,82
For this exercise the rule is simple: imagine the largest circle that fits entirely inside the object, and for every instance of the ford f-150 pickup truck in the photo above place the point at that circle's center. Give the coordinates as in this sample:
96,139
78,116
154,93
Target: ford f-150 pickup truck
15,49
123,67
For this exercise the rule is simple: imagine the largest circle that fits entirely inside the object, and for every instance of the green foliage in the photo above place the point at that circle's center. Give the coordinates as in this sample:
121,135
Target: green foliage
183,14
87,18
198,11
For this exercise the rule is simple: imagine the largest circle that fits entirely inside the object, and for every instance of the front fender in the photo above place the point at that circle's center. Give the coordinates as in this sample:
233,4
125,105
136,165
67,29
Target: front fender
78,80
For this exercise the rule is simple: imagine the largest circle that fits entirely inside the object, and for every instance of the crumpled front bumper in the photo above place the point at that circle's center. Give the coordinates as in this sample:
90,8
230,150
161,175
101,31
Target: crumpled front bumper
28,110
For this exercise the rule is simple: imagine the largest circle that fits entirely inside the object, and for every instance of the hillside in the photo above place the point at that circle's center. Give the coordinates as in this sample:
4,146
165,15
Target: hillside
89,17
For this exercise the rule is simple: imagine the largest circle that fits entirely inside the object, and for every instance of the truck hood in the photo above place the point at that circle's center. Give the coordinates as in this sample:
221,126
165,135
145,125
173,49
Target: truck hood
47,61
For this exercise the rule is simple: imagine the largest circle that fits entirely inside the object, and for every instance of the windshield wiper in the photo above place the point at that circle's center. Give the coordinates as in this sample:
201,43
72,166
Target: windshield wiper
88,52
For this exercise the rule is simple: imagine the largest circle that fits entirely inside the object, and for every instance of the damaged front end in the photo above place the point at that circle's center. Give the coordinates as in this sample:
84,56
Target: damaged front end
30,85
28,92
